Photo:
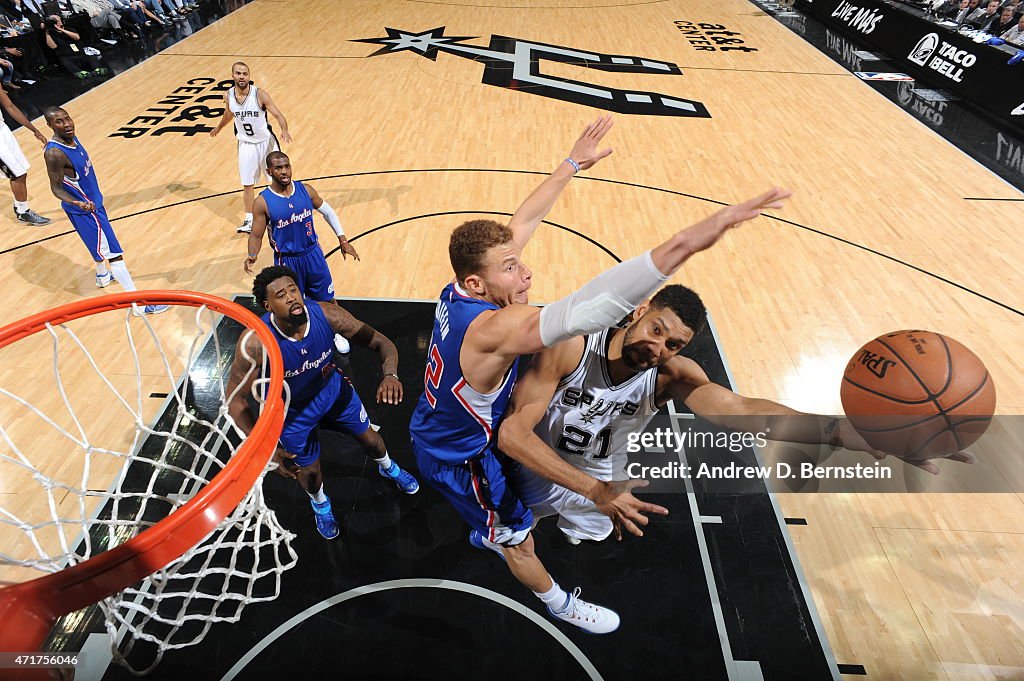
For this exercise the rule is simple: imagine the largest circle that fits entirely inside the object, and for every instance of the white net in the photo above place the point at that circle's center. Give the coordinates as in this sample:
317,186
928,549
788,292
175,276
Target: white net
124,424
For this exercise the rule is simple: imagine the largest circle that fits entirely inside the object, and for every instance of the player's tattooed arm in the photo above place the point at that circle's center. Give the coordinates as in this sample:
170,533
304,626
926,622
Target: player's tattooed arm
541,200
56,162
226,117
517,438
267,103
259,227
390,390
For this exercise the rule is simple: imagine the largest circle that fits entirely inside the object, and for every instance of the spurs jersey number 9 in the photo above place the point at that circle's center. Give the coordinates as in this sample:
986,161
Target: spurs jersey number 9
250,119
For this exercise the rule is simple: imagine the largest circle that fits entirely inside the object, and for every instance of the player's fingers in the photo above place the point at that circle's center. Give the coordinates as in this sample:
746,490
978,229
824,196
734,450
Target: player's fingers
962,457
634,484
638,518
644,507
631,528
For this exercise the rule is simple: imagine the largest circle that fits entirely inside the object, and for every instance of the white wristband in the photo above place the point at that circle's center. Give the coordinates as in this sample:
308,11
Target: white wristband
332,218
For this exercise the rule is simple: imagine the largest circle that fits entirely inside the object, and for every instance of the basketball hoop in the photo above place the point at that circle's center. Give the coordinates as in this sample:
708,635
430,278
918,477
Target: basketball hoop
202,484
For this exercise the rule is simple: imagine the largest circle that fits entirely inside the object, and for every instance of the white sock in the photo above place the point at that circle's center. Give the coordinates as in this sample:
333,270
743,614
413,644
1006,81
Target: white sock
248,217
319,497
101,269
21,206
384,462
120,272
554,598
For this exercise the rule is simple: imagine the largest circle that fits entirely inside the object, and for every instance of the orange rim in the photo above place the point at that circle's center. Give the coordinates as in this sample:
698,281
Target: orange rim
29,610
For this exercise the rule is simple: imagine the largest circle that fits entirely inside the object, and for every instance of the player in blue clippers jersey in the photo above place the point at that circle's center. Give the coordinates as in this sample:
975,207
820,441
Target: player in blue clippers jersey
73,181
284,211
482,324
321,395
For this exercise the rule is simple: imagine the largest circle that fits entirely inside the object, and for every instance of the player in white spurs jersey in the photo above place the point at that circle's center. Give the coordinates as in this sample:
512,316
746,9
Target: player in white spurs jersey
574,408
248,105
13,163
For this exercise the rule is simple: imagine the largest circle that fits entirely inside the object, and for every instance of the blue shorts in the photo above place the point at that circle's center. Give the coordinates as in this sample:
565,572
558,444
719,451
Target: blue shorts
96,233
481,494
336,407
314,274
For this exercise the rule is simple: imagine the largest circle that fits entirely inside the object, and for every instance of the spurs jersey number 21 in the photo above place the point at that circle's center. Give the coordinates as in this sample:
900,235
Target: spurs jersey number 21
590,418
250,119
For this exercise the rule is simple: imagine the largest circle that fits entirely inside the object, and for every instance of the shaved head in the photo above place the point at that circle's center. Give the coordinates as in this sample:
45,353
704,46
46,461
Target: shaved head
51,112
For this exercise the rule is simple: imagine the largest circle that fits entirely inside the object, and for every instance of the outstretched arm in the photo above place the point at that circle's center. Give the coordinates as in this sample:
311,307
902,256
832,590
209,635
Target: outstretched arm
610,296
778,422
540,201
390,389
267,103
55,163
516,437
260,218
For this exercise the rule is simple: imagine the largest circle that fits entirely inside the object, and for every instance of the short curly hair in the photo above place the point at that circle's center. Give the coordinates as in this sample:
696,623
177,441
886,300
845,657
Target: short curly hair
469,243
685,303
267,277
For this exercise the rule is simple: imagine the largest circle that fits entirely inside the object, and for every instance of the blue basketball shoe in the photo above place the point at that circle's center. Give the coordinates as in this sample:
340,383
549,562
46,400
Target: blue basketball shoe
326,525
402,479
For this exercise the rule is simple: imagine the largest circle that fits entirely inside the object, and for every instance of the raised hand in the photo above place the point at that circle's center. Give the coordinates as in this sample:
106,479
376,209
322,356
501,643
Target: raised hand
705,233
585,151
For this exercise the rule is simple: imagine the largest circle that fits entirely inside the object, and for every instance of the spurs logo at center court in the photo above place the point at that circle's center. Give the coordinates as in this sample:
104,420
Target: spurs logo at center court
515,64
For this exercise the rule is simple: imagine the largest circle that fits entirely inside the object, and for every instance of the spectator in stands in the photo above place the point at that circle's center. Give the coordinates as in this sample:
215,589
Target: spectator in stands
982,18
136,12
955,11
1015,36
1005,22
23,10
7,75
71,54
101,15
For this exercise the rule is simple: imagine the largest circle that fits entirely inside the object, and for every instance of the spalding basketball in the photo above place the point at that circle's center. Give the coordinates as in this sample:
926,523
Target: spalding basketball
918,394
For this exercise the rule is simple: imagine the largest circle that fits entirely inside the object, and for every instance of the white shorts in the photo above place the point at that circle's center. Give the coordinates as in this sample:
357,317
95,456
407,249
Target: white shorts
252,160
577,515
12,159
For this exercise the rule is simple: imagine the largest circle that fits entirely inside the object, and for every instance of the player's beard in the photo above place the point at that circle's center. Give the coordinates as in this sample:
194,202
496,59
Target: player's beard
632,357
298,318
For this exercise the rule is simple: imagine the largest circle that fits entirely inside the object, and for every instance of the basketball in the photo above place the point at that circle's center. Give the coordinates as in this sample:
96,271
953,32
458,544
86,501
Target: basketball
918,395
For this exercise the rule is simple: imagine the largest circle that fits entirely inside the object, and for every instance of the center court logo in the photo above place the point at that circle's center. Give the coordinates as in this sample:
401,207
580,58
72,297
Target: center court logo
924,49
515,64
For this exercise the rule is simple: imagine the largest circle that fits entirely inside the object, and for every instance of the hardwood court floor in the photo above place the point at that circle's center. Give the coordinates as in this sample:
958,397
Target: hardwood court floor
912,586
